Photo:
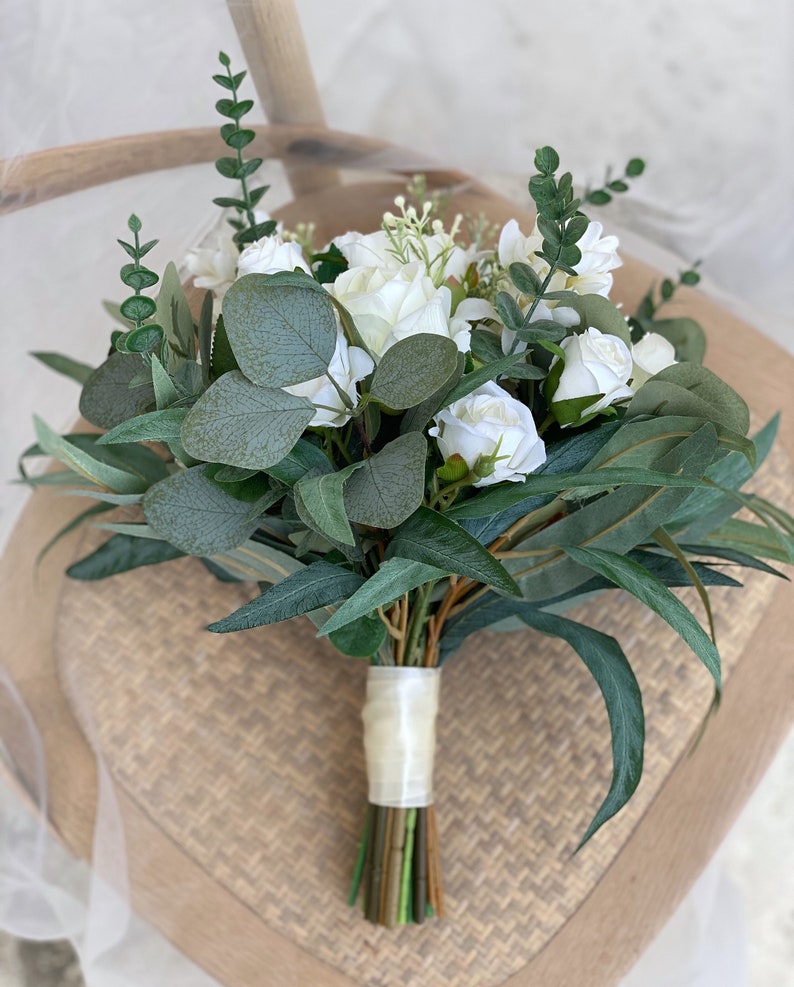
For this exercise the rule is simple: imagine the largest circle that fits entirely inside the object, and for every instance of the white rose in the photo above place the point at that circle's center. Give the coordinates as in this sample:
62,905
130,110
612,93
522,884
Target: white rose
389,307
348,366
650,355
214,267
270,255
490,427
599,257
595,363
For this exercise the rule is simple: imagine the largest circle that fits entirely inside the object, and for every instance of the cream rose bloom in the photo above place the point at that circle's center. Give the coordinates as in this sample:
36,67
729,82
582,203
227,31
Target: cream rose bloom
348,366
389,306
270,255
650,355
593,277
491,431
595,363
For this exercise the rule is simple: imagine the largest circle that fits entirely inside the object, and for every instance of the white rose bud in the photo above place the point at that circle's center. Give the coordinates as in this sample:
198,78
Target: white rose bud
650,355
214,267
348,366
493,432
595,363
270,255
388,307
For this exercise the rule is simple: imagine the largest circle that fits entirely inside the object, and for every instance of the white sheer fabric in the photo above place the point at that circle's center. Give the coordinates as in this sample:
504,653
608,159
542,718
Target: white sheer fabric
701,89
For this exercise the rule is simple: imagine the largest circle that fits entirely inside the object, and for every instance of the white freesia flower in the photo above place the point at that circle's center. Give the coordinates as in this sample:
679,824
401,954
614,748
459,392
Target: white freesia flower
270,255
214,267
650,355
388,307
595,363
491,431
593,277
348,366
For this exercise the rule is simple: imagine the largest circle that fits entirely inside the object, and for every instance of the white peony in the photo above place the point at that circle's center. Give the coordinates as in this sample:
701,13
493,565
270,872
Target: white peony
650,355
348,366
214,267
593,277
270,255
493,433
388,307
595,363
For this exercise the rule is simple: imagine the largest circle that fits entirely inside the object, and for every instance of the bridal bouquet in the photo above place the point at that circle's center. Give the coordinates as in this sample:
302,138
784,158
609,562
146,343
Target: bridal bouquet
409,435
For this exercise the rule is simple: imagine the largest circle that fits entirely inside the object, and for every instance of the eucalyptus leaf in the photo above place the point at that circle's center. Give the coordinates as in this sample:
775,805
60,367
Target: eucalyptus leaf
685,334
120,553
173,314
108,399
599,313
318,585
156,426
413,369
204,336
281,333
304,457
491,371
320,502
165,392
361,638
394,578
65,365
433,539
195,515
390,485
686,389
240,424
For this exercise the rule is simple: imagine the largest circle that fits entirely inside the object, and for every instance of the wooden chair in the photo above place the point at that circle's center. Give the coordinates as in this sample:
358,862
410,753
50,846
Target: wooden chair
213,742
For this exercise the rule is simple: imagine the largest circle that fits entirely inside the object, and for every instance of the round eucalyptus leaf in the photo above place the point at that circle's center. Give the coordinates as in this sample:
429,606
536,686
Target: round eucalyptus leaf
413,369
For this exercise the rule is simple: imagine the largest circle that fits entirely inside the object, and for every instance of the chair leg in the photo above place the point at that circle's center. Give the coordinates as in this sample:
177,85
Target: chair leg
278,61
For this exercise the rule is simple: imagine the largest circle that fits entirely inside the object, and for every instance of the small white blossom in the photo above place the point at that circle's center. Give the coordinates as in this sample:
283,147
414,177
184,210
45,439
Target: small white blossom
214,267
493,432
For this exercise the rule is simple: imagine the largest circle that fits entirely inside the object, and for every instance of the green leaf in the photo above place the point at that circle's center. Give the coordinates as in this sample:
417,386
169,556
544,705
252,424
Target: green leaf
547,161
733,556
430,537
600,313
608,665
107,398
525,279
635,167
248,168
318,585
690,390
222,360
138,278
635,579
508,309
393,579
143,338
195,515
226,167
470,382
173,314
204,337
255,561
65,365
112,478
598,197
753,539
238,139
415,419
237,423
617,521
320,503
390,485
281,333
120,553
165,392
156,426
413,369
361,638
300,460
138,307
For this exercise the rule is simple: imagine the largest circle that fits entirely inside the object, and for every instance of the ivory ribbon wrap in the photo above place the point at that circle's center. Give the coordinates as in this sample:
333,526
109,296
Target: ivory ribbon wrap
400,734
